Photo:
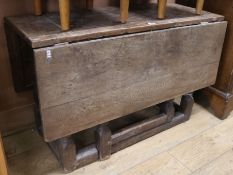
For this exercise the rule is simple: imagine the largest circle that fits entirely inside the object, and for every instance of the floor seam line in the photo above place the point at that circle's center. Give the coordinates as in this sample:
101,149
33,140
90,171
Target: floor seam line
194,136
144,161
167,150
208,163
180,162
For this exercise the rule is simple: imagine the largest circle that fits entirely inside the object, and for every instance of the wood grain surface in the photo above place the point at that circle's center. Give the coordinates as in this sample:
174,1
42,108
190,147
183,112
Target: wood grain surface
12,101
103,22
92,82
202,149
148,157
3,165
9,99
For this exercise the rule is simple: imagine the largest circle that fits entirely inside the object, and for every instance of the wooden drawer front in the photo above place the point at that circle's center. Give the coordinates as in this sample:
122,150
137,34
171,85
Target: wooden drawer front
83,84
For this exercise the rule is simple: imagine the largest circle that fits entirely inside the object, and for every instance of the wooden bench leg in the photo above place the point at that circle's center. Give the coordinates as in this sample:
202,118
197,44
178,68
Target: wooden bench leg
186,105
64,6
124,8
199,7
162,8
169,109
65,150
37,7
89,4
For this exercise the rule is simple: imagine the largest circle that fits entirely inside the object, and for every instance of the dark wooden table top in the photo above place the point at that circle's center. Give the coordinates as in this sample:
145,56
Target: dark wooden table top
42,31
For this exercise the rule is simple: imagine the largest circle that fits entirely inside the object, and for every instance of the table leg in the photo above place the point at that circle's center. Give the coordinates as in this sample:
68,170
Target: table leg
37,7
110,141
199,6
162,8
124,8
64,6
104,143
65,150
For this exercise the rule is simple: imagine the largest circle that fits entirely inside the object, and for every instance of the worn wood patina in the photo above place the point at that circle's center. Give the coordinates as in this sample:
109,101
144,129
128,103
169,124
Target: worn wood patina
108,140
83,84
219,97
27,32
101,71
102,22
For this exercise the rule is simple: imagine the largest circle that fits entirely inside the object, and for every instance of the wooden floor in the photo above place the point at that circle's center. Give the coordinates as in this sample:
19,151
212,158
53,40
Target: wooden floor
201,146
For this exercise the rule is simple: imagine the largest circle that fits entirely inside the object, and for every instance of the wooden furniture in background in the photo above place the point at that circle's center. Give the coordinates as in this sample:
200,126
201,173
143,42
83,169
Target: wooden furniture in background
3,164
163,3
16,107
64,9
219,97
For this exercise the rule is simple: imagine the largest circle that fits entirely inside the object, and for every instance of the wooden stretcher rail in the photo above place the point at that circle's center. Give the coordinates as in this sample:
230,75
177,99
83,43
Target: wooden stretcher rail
138,128
108,143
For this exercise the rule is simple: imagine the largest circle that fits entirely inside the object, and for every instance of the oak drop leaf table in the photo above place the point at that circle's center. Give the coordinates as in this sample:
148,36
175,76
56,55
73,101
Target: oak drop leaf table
100,73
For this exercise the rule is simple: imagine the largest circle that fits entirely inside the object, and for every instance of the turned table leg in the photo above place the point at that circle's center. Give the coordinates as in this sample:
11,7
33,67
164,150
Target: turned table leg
162,8
124,8
64,6
37,7
199,7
